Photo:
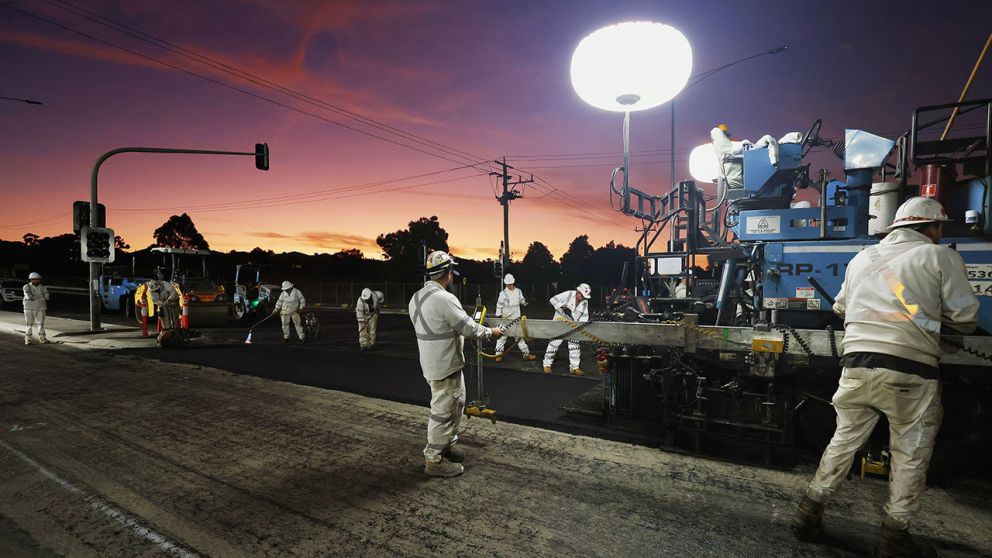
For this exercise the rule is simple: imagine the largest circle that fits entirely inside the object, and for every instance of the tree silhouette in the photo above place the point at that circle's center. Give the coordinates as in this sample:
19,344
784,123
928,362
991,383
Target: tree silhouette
180,232
402,248
31,239
576,262
538,266
606,265
120,245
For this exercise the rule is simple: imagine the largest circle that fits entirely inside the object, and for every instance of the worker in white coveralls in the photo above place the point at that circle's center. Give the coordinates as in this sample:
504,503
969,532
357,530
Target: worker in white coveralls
508,306
35,307
895,298
288,306
441,326
367,311
571,306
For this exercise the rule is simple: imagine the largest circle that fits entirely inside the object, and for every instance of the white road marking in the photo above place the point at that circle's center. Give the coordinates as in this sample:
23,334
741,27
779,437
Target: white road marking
118,515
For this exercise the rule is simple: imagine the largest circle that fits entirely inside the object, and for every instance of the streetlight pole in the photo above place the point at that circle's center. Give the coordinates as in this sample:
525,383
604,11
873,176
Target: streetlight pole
700,77
261,155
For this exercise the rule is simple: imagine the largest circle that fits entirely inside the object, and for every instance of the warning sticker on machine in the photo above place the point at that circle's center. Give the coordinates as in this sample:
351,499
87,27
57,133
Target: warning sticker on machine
797,303
764,224
804,292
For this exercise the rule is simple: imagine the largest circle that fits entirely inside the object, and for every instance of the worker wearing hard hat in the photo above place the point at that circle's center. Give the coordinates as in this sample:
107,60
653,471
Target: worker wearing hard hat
35,307
288,306
441,325
168,300
367,311
730,155
572,306
508,305
896,298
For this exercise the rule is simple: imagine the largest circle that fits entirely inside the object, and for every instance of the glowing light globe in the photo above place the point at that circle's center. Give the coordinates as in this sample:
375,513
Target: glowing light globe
703,163
631,66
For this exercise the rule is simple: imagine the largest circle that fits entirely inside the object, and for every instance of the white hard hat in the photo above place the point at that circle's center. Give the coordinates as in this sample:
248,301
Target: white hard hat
916,211
440,262
286,285
509,280
155,285
366,294
34,275
584,290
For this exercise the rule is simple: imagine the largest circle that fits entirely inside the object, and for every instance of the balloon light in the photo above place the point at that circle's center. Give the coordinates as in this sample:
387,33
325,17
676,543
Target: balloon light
703,163
631,66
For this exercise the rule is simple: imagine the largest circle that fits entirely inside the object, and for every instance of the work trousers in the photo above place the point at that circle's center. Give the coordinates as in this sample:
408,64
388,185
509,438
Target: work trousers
447,407
32,317
914,411
366,331
501,344
573,354
295,316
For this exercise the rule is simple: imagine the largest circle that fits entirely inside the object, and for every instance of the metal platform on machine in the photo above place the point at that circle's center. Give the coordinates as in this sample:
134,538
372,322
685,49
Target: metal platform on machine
589,403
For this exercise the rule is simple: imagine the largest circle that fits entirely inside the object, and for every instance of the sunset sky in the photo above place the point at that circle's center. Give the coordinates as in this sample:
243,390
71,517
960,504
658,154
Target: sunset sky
472,81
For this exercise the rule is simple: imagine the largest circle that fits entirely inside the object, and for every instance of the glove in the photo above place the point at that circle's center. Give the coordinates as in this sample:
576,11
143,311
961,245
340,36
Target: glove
564,310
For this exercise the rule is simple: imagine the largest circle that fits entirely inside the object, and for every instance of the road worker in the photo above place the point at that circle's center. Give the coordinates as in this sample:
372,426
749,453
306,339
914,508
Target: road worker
288,306
35,307
367,311
572,306
508,306
441,326
896,298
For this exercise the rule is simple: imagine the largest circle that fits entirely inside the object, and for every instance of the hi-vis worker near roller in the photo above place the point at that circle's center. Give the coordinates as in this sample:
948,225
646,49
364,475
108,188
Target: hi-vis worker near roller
367,311
570,306
288,306
508,306
895,298
441,326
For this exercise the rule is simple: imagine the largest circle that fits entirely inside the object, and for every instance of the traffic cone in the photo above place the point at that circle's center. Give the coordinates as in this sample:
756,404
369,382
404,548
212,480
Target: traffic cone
248,340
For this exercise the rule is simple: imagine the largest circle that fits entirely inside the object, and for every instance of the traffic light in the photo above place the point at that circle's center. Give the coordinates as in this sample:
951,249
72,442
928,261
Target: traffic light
97,244
81,215
498,268
262,156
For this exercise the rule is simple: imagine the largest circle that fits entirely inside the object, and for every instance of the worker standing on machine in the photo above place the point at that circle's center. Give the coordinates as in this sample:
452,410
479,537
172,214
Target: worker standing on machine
288,306
367,311
441,326
570,306
35,307
508,305
894,299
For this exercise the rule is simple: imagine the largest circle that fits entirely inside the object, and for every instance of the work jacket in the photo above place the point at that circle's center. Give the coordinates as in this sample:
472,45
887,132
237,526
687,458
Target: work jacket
365,309
290,302
896,295
35,297
508,303
441,327
580,311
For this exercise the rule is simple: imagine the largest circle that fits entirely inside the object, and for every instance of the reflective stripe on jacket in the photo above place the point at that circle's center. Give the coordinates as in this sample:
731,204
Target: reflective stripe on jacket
897,294
290,303
441,326
35,297
580,311
509,302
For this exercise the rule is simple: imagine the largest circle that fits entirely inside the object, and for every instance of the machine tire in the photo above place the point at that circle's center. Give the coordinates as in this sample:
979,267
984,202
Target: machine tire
127,306
239,310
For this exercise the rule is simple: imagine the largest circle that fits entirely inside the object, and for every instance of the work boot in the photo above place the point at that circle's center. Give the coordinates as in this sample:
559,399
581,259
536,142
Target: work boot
576,372
453,454
443,468
807,524
499,357
44,341
547,369
898,543
27,341
530,357
285,340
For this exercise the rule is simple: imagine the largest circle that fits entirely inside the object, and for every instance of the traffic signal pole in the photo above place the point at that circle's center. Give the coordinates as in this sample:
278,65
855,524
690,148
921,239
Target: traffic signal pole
261,155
